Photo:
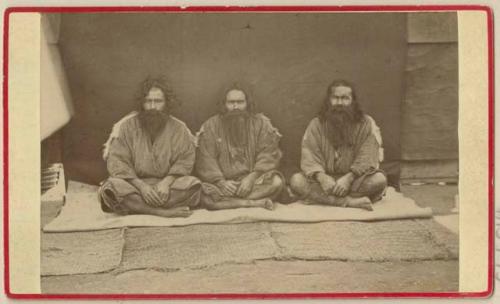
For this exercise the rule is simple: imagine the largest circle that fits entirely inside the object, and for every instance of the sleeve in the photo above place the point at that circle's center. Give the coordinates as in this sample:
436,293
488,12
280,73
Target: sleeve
207,166
120,159
184,155
312,160
366,158
268,151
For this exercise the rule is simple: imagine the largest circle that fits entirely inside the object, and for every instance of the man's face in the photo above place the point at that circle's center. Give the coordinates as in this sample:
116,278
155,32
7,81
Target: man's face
236,100
154,100
341,96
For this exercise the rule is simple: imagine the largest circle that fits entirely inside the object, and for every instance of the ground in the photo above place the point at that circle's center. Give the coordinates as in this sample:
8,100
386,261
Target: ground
247,274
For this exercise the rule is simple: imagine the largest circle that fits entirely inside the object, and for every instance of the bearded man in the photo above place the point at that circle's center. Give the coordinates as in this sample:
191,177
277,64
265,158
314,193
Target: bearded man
340,154
238,156
150,155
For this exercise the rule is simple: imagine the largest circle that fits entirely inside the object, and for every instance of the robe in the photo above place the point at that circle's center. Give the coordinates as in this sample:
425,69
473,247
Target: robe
319,154
217,159
131,154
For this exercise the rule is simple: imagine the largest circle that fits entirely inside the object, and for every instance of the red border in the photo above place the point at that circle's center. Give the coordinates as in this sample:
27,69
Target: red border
228,9
6,154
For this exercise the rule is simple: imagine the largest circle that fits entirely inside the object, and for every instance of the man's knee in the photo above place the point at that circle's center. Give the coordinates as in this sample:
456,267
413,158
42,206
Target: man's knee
193,190
377,181
130,204
184,197
277,183
373,184
299,184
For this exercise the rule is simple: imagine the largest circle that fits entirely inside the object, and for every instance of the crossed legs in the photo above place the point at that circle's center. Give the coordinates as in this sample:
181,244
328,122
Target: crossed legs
131,202
261,196
364,191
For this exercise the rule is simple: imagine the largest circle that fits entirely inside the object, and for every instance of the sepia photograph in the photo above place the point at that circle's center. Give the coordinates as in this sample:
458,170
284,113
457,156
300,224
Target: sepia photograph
249,153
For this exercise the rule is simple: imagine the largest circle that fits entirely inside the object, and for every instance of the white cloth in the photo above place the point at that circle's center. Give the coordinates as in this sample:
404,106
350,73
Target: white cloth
82,212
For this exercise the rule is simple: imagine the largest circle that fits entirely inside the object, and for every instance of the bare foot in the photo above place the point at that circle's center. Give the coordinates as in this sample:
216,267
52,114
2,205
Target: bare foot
176,212
359,202
268,204
265,203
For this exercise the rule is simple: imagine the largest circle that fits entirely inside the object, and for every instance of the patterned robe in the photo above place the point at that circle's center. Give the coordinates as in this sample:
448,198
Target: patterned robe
217,159
319,155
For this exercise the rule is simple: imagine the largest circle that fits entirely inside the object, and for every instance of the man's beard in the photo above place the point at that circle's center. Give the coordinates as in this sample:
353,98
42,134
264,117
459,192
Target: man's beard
235,124
153,122
340,123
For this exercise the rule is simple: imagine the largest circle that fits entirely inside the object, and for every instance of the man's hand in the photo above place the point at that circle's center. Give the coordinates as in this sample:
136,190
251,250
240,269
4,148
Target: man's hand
326,181
150,196
228,187
246,185
343,186
163,190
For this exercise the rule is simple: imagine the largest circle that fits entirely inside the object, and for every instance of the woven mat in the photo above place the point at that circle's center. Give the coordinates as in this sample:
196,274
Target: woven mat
442,236
81,252
82,212
196,246
358,241
209,245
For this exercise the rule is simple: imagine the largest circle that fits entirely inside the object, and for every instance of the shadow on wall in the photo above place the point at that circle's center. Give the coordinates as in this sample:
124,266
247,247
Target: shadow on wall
286,59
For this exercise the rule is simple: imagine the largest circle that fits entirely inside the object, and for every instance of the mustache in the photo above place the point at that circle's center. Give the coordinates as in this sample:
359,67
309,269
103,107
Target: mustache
153,112
340,108
334,112
233,113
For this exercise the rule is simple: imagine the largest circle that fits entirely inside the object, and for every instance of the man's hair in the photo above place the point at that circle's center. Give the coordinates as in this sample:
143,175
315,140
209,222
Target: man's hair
250,104
163,85
358,113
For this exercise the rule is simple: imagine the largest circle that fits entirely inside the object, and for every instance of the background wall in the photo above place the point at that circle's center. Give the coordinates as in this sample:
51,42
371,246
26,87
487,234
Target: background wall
429,124
286,59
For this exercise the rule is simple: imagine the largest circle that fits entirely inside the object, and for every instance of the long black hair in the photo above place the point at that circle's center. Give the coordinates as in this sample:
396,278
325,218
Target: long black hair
236,86
162,84
358,113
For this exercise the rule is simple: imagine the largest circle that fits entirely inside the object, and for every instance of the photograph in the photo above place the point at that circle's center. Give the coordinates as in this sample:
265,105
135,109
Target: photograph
240,153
